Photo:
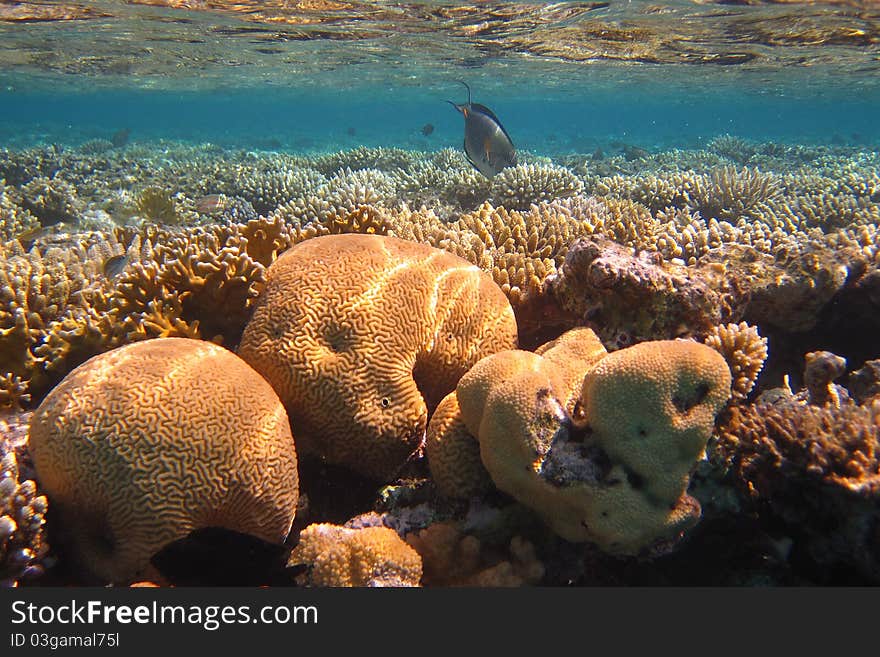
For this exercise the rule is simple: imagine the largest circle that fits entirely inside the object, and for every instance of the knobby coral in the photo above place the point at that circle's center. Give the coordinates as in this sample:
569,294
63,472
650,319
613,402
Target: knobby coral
368,557
22,520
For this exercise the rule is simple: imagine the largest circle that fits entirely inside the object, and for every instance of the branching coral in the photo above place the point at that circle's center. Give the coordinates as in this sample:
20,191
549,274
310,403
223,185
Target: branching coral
517,188
745,352
811,468
51,200
369,557
728,194
267,190
22,520
127,480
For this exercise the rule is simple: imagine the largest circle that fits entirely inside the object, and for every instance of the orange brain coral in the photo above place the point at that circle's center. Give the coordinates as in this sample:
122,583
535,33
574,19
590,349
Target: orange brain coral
363,335
141,445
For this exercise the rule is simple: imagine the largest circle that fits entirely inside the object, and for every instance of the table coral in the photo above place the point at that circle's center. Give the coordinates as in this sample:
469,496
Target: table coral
370,557
141,445
363,335
616,472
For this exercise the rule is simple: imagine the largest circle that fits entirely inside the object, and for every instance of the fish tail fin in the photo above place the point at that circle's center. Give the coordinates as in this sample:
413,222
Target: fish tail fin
456,106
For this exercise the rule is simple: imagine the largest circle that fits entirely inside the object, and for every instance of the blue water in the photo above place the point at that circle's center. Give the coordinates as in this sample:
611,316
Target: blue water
542,122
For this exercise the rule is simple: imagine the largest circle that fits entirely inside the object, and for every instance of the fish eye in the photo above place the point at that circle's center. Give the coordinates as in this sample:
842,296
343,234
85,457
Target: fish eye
385,402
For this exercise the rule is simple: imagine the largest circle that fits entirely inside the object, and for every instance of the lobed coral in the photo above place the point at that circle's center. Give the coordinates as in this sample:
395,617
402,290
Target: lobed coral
647,412
358,375
369,557
141,445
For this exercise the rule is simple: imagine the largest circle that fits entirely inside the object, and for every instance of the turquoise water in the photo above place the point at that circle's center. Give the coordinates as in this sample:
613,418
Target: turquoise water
788,72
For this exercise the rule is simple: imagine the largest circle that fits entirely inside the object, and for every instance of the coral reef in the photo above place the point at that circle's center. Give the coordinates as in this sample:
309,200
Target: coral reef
363,335
140,446
763,252
627,298
342,557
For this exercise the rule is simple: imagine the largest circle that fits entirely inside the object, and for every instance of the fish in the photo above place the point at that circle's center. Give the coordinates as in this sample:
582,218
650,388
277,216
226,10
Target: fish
487,145
211,204
29,237
114,265
427,129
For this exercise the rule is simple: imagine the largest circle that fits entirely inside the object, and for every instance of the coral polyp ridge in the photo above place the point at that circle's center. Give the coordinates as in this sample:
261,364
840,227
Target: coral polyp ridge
765,254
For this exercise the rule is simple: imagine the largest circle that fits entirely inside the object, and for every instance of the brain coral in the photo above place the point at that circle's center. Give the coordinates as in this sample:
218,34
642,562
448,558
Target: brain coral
647,411
371,556
363,335
141,445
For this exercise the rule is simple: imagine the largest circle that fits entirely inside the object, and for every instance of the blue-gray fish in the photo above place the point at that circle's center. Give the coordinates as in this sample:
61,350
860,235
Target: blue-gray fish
486,143
114,265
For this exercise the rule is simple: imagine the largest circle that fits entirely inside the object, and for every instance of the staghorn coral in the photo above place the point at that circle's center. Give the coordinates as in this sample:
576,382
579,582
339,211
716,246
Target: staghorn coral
451,557
648,411
517,188
22,519
141,445
359,375
745,352
812,468
368,557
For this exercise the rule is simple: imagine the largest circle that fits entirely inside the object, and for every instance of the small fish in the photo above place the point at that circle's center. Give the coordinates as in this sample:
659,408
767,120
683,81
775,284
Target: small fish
486,143
427,129
351,132
114,265
211,203
29,237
